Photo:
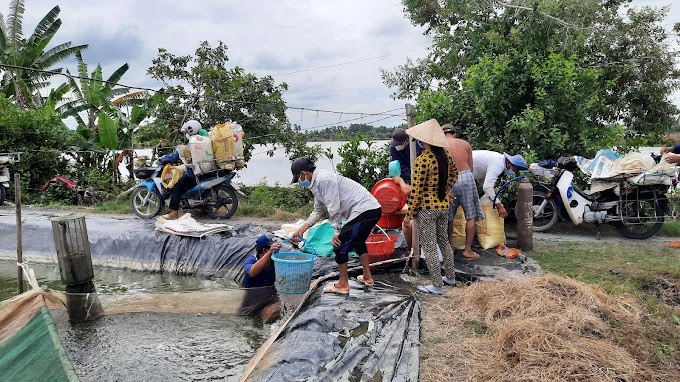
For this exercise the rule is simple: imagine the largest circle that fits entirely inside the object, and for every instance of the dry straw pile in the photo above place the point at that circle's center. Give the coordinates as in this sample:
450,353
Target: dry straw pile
547,329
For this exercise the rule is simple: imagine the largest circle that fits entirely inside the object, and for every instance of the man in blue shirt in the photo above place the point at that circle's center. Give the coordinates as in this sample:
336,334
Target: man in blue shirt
672,158
259,276
399,150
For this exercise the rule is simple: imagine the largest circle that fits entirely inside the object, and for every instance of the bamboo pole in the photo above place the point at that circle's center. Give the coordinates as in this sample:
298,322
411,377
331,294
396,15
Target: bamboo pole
411,120
20,255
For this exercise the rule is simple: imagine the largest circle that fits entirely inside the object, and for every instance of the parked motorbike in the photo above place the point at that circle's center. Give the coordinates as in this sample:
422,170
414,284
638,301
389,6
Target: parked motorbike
6,159
636,211
214,193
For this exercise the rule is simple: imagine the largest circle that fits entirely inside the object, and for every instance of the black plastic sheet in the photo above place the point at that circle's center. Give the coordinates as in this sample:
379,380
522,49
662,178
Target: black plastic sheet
372,334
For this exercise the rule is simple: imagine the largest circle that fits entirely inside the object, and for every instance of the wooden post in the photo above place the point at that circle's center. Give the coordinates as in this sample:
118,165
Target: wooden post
411,120
75,267
20,254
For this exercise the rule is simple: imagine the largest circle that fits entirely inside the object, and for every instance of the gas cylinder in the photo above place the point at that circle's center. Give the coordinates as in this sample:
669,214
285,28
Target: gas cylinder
525,215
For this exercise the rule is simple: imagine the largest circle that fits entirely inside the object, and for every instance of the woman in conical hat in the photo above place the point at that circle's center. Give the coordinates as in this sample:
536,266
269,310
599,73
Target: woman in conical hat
434,174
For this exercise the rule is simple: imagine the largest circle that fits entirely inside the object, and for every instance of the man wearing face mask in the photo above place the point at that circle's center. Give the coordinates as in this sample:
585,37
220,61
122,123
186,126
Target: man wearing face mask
346,200
489,165
399,150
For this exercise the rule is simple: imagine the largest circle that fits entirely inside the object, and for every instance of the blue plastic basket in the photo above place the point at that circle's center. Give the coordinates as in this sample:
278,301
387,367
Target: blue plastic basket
294,270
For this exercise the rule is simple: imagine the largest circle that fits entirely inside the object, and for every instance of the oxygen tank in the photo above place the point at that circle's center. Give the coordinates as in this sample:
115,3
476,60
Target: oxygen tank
525,215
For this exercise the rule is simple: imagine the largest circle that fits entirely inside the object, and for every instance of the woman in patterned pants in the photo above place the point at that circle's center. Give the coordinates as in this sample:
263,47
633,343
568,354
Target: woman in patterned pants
434,174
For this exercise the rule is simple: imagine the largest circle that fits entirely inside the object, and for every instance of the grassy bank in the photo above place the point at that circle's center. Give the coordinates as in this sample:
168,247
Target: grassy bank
604,311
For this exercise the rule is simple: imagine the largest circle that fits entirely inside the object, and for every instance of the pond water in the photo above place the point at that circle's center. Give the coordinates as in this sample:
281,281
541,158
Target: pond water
275,169
150,346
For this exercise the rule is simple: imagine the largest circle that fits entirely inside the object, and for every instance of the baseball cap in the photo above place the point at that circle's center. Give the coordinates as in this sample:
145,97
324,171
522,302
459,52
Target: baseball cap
516,160
301,164
448,129
398,137
264,241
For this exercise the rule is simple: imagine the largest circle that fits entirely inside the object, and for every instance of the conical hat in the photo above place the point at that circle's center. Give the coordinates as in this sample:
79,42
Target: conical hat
429,132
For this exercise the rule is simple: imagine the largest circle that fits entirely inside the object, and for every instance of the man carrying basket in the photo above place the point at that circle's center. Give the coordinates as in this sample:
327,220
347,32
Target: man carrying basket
344,199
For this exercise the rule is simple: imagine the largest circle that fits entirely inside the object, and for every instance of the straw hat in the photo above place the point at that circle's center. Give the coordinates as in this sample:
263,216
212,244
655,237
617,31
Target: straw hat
429,132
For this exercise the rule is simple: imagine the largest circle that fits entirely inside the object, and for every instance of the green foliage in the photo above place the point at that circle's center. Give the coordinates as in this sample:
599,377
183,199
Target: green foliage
551,77
42,138
334,133
363,162
58,193
21,84
288,199
108,132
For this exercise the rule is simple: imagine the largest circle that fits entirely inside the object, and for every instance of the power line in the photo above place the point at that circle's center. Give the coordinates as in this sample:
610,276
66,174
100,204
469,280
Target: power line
182,95
348,63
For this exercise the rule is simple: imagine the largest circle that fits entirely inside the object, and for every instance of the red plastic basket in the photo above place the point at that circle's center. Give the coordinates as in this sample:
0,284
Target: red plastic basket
389,196
380,247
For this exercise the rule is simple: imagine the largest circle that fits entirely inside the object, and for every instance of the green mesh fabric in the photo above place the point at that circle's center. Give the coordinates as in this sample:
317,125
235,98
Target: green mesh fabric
36,353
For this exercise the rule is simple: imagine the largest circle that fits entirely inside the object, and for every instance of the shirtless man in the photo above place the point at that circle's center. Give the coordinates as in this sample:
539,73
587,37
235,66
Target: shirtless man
464,191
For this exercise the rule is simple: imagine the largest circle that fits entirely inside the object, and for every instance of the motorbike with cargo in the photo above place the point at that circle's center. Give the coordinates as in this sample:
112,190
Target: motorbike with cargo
214,193
635,205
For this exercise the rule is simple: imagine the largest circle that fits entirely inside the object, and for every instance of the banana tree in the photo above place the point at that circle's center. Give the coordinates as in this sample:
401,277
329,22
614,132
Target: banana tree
94,95
15,50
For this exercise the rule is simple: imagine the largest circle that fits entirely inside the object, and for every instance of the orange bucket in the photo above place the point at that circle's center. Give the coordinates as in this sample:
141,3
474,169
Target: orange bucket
389,196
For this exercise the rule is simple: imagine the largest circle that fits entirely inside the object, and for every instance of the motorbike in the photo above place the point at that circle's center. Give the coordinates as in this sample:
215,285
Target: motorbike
636,211
214,193
6,159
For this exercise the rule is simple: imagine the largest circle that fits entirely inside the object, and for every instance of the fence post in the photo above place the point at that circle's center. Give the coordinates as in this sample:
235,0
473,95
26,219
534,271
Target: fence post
20,253
411,120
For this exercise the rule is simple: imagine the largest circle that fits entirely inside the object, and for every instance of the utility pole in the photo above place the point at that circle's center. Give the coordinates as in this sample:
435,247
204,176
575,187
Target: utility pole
411,120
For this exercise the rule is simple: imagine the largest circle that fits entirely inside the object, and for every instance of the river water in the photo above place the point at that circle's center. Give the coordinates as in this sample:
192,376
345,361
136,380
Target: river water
150,346
274,170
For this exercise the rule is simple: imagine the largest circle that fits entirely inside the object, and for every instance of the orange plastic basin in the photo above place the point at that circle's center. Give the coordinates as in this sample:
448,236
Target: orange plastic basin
389,196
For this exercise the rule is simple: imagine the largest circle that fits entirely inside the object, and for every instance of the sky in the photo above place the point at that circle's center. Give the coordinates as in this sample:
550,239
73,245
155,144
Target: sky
345,43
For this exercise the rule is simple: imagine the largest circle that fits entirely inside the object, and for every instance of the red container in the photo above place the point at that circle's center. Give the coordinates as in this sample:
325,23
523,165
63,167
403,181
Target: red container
389,196
380,247
390,221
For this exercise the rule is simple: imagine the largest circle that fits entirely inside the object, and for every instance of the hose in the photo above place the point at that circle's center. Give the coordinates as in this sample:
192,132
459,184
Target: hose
503,186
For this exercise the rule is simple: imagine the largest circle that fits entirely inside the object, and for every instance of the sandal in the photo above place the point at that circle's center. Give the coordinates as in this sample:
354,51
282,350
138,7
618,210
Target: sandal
360,278
332,289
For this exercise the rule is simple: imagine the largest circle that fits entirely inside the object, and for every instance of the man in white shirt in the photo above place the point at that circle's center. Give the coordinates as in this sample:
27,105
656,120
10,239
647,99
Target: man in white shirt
344,199
489,165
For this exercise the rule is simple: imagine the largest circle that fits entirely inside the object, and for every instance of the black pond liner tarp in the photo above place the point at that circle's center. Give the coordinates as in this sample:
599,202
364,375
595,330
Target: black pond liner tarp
372,334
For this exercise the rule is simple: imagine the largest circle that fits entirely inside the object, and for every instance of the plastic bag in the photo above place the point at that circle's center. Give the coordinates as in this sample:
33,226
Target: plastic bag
459,229
223,145
508,252
171,175
491,230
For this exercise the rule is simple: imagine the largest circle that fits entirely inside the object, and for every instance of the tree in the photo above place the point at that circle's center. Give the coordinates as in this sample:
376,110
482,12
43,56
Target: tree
204,88
554,77
15,50
42,138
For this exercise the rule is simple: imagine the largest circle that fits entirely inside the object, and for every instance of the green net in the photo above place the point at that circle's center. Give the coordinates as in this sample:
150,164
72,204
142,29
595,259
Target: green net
36,353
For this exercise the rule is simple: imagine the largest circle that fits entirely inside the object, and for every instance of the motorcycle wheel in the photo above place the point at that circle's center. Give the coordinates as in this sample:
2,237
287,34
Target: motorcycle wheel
641,219
153,204
223,202
548,217
3,194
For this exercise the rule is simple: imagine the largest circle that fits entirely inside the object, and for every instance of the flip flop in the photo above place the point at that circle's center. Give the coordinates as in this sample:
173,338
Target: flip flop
360,278
472,258
332,289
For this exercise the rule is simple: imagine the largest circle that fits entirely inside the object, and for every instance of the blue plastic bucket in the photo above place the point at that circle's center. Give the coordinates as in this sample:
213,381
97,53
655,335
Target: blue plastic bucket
394,168
293,270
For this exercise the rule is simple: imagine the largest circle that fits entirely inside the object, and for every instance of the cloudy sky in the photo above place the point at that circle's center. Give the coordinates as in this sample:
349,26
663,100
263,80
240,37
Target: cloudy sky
344,42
